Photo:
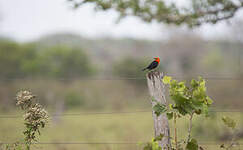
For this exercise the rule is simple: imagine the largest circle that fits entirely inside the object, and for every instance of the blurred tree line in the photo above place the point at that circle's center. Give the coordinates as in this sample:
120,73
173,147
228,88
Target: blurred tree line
42,62
28,60
58,59
32,60
35,60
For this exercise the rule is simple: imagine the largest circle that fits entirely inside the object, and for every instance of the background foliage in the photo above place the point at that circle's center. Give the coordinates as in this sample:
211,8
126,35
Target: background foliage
27,60
75,75
192,13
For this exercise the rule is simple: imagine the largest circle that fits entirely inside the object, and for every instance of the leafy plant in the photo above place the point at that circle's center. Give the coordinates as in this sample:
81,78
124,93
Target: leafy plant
230,123
35,117
187,100
153,144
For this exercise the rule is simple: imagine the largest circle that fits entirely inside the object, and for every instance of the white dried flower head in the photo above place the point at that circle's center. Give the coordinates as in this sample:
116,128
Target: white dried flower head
24,99
35,116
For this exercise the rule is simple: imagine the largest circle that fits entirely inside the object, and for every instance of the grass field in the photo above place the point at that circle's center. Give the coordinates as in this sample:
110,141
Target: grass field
110,96
108,128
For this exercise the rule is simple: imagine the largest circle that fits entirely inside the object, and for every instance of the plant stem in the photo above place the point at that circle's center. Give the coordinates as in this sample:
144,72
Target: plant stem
28,147
233,140
175,131
189,128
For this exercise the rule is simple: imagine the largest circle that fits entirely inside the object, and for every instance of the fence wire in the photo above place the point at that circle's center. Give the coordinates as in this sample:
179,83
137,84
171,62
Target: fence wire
128,78
109,143
112,113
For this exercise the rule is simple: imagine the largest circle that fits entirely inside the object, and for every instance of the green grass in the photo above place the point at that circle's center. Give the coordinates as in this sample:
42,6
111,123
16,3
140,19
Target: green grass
137,127
108,96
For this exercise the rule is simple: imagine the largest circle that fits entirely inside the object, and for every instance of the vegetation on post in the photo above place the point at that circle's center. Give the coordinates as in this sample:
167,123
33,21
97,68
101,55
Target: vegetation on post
188,101
192,13
230,123
35,117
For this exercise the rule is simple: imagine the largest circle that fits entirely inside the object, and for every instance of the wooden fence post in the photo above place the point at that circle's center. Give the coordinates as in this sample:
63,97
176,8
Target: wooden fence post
157,92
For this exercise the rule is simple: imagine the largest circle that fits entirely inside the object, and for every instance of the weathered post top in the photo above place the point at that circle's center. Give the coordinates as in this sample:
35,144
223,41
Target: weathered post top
157,92
152,74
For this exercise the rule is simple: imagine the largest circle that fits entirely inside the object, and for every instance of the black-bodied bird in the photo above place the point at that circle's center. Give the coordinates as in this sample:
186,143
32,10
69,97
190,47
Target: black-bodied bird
153,65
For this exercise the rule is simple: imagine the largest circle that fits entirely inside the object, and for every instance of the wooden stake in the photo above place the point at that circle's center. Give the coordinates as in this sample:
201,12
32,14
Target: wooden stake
157,92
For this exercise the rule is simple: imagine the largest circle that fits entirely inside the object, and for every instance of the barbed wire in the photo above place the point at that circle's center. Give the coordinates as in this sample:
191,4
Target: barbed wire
113,113
124,78
109,143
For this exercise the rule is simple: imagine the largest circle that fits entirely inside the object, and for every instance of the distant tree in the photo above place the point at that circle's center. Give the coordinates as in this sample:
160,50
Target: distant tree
63,61
29,65
193,13
27,60
10,59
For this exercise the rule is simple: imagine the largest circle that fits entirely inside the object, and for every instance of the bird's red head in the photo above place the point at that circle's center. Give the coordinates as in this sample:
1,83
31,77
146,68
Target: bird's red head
157,59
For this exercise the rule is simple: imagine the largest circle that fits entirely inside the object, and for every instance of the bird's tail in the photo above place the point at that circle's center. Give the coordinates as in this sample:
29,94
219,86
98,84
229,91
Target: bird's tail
144,69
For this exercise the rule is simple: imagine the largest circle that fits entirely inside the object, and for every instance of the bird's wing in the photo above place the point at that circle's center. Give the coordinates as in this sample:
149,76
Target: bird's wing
153,64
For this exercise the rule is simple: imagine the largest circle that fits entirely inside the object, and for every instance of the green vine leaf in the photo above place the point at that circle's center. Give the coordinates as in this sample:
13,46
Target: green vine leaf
166,79
192,145
169,115
209,100
153,99
159,109
159,138
153,145
189,99
229,122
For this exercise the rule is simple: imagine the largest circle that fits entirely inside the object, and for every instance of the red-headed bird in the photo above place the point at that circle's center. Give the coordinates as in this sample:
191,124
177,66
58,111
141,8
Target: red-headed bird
153,65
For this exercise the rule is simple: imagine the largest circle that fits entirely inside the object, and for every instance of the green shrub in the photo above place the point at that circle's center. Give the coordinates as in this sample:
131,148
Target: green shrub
64,61
27,60
73,100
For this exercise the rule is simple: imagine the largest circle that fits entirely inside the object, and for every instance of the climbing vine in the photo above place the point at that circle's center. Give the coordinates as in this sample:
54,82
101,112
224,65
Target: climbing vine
186,101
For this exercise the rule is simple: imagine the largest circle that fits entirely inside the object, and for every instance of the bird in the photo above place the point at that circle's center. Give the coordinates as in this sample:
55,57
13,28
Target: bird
153,65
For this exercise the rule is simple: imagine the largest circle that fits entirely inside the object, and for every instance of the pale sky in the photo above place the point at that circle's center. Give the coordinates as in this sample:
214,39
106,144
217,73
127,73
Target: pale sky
26,20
